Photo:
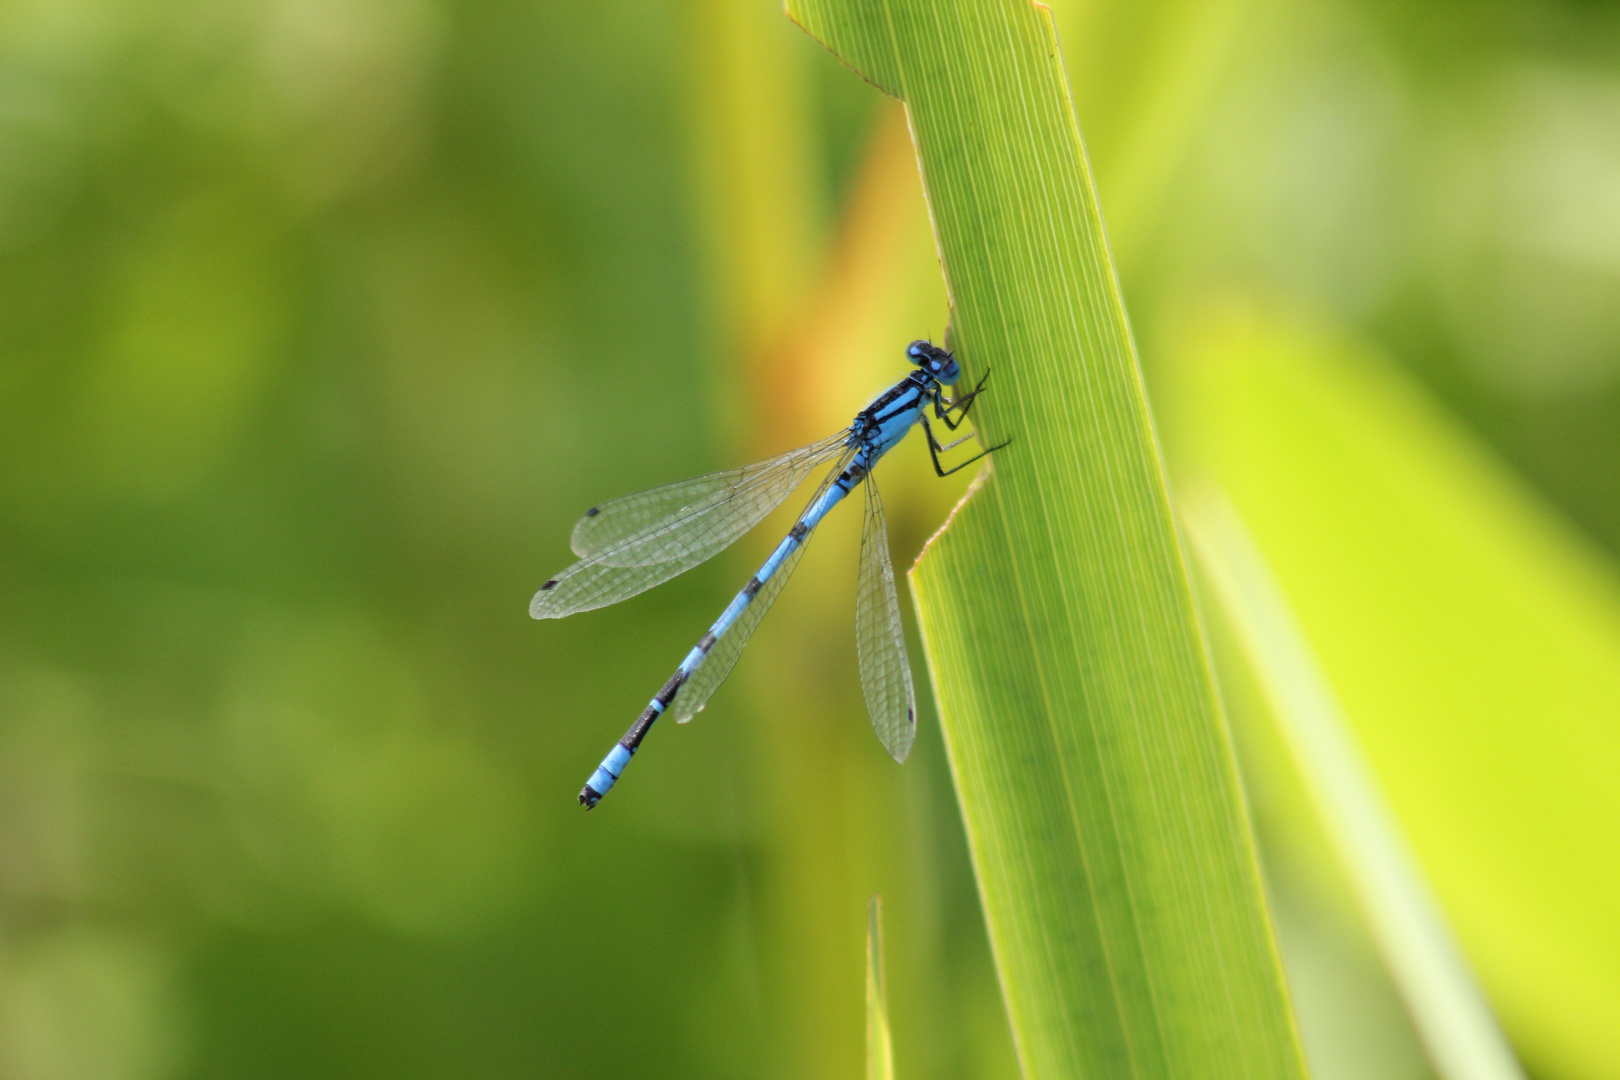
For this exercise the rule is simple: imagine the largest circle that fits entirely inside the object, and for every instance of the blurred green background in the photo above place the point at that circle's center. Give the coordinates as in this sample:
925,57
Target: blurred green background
322,320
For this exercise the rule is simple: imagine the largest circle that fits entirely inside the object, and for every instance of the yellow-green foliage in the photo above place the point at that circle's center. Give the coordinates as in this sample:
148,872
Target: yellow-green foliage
1473,641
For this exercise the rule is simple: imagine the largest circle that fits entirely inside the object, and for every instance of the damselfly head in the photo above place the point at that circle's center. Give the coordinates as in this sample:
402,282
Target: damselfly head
936,361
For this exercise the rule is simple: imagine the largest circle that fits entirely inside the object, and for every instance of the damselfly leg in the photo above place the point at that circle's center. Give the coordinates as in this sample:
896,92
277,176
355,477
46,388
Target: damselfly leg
943,409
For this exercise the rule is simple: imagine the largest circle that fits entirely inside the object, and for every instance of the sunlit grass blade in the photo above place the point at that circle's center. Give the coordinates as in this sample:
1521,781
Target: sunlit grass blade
879,1049
1093,770
1471,637
1447,1008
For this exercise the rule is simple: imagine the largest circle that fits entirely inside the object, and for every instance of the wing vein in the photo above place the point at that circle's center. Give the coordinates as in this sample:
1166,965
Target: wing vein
631,544
880,640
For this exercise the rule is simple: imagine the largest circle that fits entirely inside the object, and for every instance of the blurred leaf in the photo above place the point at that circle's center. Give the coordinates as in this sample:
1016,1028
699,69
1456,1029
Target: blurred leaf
1472,639
879,1052
1119,884
1434,981
1353,1022
1144,77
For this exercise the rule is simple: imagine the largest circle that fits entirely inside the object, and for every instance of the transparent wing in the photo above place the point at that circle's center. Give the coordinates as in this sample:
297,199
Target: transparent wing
624,532
880,643
674,543
696,692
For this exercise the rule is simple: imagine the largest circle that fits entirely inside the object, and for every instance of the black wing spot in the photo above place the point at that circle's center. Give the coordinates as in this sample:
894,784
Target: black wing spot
593,511
548,585
911,716
798,531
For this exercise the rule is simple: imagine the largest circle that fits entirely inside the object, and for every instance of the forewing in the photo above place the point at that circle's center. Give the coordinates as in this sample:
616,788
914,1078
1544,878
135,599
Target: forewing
590,583
880,642
697,514
695,693
612,521
680,539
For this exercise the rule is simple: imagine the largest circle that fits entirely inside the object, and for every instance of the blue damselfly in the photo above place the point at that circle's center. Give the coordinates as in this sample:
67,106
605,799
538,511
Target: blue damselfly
632,543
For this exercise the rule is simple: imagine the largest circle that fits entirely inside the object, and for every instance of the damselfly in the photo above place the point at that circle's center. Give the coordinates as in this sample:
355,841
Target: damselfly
633,543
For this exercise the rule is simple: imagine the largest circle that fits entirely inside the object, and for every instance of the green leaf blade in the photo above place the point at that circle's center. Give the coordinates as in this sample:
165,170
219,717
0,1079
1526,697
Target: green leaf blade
1094,772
